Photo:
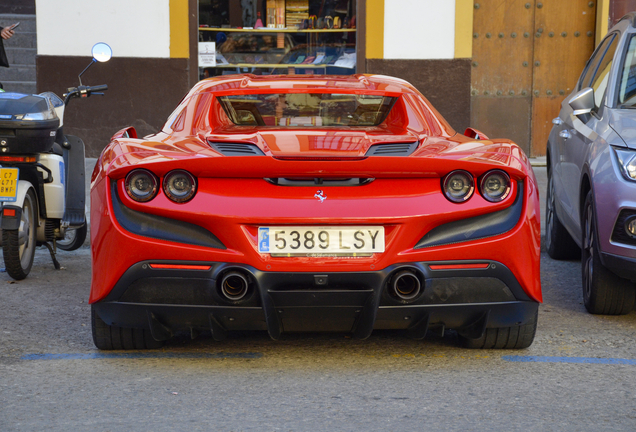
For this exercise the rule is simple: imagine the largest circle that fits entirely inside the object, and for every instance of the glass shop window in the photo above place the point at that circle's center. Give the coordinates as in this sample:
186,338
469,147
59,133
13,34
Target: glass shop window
272,37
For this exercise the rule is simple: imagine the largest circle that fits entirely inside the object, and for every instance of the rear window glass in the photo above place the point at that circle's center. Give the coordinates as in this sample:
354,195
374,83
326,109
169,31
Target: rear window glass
307,109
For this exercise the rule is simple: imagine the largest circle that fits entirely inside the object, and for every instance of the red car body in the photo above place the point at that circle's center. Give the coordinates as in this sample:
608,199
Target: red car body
161,266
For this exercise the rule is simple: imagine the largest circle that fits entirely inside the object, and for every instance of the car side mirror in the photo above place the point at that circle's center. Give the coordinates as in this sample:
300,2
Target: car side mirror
127,132
582,104
475,134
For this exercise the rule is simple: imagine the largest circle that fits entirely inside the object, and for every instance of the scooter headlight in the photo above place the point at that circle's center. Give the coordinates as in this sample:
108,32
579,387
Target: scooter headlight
49,114
458,186
141,185
495,185
179,185
45,115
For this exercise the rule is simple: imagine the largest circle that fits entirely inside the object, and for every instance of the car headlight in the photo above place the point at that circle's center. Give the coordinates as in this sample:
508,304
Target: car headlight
179,185
495,185
458,186
141,185
626,162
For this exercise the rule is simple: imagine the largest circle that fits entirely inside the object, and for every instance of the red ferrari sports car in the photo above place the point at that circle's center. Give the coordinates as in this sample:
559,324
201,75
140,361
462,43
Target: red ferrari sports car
312,203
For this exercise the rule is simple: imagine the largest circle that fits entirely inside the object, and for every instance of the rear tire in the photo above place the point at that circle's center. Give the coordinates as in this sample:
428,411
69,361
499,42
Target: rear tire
558,241
603,291
73,238
516,337
107,337
18,246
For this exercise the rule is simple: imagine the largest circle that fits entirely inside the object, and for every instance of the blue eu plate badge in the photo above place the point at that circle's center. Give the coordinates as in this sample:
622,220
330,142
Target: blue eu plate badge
263,240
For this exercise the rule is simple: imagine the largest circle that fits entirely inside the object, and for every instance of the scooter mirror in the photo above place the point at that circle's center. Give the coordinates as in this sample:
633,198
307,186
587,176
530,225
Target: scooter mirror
102,52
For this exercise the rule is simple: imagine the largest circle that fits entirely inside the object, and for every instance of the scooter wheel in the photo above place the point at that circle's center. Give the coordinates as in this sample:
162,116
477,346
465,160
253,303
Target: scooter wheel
18,246
73,239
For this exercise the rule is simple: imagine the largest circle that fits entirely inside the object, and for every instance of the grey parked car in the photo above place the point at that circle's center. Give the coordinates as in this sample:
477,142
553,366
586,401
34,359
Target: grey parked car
591,154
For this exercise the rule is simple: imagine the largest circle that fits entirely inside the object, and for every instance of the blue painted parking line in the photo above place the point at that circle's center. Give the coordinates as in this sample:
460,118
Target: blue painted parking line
580,360
143,355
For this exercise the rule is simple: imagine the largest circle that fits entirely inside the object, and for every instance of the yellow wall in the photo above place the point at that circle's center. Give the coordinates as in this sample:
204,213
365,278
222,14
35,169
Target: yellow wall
602,19
179,41
375,29
463,28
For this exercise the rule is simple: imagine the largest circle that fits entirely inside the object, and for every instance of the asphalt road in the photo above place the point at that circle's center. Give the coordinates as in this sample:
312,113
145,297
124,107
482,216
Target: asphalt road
578,375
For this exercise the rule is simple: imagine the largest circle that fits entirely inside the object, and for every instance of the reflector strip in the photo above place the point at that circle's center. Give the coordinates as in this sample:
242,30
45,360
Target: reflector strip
180,267
8,212
17,159
458,266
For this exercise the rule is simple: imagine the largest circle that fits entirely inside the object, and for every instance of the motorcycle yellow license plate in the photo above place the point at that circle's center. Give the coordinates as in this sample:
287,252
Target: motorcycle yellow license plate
9,184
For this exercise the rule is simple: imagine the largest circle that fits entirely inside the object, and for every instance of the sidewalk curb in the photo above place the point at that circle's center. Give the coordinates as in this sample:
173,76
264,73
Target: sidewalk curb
538,161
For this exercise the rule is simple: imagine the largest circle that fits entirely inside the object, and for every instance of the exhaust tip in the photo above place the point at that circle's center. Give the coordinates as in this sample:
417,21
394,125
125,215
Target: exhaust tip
234,286
405,285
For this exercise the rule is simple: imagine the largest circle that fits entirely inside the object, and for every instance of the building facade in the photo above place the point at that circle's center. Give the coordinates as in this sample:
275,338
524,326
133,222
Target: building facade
500,66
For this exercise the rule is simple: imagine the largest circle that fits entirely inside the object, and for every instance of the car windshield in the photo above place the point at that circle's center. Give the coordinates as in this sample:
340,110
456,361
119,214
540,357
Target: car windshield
307,109
627,90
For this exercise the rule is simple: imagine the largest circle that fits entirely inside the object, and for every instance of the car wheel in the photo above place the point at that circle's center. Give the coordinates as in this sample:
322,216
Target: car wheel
73,238
107,337
558,241
603,291
18,246
516,337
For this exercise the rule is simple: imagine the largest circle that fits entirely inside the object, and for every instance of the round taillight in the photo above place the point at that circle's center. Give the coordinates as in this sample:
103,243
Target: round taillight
495,185
141,185
179,185
458,186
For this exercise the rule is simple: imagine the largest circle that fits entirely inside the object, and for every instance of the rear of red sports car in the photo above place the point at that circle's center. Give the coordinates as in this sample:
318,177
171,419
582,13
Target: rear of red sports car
301,204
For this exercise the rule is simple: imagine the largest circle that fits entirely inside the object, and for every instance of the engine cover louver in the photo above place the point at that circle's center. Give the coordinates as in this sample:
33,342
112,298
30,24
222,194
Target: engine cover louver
393,149
237,149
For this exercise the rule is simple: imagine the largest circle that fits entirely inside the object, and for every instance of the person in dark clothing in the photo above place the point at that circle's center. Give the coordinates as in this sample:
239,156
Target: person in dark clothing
5,33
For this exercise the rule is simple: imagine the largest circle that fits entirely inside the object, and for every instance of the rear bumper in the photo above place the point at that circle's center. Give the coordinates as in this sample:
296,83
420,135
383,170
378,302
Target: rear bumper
165,300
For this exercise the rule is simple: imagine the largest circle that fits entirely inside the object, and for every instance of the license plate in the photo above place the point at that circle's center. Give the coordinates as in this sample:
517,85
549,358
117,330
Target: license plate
350,240
9,184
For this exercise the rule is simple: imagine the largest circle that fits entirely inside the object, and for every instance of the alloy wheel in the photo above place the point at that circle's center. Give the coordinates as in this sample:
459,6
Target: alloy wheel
549,213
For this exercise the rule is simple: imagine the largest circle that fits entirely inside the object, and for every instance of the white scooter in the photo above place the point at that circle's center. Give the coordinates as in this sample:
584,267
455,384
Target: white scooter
42,175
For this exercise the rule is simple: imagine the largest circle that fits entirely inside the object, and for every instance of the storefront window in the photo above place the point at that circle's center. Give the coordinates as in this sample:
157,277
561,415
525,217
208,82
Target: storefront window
266,37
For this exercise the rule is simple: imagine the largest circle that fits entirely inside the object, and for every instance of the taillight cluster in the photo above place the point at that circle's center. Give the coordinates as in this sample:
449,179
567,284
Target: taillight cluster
178,185
458,186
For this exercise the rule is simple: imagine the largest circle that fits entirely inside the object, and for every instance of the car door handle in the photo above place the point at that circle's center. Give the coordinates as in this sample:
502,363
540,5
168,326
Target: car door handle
565,134
557,121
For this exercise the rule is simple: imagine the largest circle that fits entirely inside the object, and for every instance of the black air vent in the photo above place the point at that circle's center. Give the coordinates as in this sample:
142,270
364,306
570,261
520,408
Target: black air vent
237,149
394,149
354,181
